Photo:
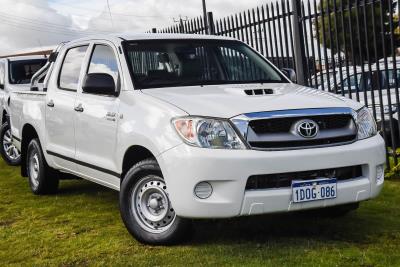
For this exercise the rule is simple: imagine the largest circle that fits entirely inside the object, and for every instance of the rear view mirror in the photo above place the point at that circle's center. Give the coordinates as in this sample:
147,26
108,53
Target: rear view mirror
290,74
99,84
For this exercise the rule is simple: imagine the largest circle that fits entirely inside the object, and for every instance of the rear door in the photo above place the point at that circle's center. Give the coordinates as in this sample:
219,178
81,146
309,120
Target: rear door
60,103
97,120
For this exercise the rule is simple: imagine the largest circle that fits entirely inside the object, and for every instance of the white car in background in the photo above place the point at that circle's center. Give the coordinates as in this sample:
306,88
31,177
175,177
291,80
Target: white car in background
374,89
15,75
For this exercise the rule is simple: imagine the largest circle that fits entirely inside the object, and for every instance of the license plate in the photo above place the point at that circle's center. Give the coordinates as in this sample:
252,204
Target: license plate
312,190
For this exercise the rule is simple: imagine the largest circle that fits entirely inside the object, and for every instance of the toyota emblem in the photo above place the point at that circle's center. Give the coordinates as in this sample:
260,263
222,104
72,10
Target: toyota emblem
307,128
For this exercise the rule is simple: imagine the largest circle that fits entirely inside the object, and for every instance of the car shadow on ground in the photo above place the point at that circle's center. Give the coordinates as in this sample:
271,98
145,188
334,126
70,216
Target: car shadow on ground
307,225
80,187
353,227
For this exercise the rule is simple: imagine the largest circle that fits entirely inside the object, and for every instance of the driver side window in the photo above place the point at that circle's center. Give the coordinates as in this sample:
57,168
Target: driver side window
103,61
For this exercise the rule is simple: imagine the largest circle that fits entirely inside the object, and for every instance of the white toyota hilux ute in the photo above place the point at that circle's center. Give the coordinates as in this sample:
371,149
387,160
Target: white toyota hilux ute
15,75
189,126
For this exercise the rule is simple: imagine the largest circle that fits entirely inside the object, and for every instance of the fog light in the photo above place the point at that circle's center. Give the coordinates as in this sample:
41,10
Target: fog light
203,190
380,174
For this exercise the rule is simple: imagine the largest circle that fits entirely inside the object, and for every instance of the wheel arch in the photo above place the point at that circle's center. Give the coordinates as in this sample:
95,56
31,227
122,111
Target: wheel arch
134,155
28,133
3,117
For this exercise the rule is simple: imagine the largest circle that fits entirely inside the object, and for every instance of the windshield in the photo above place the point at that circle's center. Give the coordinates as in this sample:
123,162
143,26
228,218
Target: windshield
21,71
162,63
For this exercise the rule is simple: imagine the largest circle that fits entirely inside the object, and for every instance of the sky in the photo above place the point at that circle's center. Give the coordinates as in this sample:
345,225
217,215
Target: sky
42,23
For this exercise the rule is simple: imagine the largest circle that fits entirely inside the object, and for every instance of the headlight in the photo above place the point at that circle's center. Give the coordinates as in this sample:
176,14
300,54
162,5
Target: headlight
208,133
365,123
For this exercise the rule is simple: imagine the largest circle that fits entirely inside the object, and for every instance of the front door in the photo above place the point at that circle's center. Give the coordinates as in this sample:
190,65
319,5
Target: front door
96,123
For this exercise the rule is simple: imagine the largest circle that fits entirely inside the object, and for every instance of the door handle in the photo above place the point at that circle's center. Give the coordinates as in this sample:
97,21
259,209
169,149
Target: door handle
79,108
50,103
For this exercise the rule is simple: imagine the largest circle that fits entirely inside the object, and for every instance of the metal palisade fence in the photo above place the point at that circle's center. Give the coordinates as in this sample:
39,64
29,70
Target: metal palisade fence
347,47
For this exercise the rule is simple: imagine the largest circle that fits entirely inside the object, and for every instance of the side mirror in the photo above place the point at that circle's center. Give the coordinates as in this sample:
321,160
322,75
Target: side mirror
290,74
1,86
99,84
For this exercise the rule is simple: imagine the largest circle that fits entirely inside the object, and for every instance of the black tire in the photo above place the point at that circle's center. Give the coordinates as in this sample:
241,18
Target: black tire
43,180
13,156
336,211
178,228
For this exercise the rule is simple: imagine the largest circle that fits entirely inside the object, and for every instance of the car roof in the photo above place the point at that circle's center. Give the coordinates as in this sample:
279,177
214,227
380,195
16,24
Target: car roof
150,36
159,36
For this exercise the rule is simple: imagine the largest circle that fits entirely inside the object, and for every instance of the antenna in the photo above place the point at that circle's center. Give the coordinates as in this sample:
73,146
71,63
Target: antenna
40,44
109,11
41,47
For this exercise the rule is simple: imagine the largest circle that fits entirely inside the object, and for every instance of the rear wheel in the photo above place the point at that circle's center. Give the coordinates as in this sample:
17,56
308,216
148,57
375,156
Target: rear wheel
42,179
146,209
8,150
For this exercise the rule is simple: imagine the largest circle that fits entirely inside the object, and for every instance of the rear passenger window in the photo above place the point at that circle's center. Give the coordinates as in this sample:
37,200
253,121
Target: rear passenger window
71,68
103,61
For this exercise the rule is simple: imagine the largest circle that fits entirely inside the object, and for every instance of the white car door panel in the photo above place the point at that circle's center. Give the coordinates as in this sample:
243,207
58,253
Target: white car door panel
60,125
60,113
96,131
96,122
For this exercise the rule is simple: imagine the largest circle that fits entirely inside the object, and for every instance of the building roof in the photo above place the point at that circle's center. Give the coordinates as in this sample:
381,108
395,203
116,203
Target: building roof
30,52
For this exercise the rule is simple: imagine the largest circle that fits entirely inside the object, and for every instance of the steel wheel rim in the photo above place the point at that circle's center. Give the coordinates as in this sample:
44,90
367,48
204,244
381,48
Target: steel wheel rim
9,148
34,166
151,206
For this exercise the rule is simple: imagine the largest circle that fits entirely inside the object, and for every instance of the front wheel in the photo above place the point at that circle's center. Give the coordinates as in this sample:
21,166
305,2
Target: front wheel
146,209
8,150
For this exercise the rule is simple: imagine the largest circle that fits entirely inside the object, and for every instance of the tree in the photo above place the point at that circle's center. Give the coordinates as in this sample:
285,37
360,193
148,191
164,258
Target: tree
357,29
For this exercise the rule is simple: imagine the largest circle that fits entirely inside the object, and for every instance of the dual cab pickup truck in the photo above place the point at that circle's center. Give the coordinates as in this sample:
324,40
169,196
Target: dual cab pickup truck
188,126
15,75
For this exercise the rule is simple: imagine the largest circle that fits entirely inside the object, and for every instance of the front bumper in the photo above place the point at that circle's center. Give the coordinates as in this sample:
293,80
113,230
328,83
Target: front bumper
228,170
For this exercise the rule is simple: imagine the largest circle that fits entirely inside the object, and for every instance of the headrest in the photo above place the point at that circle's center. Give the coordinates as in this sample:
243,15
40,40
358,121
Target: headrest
163,58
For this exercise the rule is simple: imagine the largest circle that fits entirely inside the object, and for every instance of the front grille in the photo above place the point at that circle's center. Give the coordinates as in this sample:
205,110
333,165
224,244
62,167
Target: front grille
302,143
282,132
284,180
284,124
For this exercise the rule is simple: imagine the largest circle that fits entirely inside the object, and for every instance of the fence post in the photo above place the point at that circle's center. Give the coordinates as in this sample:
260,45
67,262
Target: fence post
211,26
298,42
205,16
154,30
